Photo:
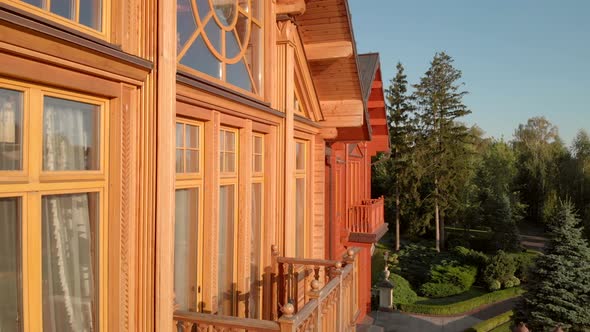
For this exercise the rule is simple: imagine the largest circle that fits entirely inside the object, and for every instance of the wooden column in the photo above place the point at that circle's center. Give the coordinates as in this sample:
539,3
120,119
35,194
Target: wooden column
244,214
286,91
165,171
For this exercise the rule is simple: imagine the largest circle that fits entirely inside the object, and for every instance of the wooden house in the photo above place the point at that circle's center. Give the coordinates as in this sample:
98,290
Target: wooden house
171,165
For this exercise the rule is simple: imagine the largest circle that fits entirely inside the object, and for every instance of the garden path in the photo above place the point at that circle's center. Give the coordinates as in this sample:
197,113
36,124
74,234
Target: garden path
402,322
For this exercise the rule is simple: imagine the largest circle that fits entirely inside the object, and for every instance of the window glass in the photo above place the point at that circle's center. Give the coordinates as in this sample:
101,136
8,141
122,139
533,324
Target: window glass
85,12
255,251
228,44
257,159
188,148
227,151
10,287
300,217
300,155
70,260
11,130
225,263
71,135
185,249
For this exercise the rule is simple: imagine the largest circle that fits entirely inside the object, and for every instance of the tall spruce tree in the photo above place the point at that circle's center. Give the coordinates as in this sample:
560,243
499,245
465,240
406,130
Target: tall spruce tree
400,121
439,101
559,284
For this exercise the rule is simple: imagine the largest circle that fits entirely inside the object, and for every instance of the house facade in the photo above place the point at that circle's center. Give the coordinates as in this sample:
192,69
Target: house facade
174,165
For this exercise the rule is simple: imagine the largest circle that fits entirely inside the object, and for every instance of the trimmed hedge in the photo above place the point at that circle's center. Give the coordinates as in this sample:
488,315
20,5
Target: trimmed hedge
492,323
463,306
402,291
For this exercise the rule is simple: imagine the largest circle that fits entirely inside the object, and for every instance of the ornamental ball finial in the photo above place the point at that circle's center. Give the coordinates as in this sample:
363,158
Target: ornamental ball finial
338,265
315,285
288,309
350,252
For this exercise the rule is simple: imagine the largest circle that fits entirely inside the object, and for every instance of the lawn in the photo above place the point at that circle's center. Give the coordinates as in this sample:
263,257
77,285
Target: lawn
502,328
470,294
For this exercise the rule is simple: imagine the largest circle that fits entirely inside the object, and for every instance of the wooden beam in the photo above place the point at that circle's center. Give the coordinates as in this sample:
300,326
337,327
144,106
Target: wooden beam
342,107
329,50
376,104
377,85
328,133
290,7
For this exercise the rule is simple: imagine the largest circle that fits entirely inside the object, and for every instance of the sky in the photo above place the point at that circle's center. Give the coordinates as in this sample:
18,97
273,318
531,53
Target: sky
519,58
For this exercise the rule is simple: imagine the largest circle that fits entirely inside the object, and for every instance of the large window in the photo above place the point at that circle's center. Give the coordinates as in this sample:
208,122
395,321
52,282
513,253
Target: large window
87,15
256,224
228,213
222,39
189,183
300,197
52,202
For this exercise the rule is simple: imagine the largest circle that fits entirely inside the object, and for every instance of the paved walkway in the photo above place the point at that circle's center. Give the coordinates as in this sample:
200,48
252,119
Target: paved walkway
402,322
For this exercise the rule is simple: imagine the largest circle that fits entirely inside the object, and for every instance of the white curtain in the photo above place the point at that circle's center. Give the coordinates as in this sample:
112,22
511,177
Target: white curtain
69,223
10,140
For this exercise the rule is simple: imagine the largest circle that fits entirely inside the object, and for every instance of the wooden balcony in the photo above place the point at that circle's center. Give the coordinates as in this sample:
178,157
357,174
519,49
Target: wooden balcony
308,295
366,222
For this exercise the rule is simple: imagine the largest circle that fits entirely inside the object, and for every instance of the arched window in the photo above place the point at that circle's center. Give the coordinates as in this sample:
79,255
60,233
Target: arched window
222,39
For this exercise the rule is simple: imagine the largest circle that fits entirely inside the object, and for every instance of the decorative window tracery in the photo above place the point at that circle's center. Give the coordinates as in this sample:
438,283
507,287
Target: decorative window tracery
222,39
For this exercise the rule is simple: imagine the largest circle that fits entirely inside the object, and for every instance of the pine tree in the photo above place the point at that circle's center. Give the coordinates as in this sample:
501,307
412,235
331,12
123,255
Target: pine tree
559,286
439,98
401,133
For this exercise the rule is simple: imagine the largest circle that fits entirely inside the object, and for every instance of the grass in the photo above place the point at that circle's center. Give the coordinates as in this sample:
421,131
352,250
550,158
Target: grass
503,328
470,294
464,306
459,229
493,323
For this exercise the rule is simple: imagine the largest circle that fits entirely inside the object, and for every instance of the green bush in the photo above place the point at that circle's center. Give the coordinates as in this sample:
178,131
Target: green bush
494,285
501,268
472,257
402,291
462,277
515,281
463,306
524,262
438,290
492,323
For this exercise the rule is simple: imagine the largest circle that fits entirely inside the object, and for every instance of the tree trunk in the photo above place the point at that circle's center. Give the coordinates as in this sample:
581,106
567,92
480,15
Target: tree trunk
397,240
436,214
442,231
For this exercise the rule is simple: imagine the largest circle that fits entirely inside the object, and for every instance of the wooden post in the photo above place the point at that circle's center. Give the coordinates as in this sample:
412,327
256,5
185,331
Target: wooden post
165,171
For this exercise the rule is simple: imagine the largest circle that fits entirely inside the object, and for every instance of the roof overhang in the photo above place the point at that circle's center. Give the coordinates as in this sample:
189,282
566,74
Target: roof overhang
328,39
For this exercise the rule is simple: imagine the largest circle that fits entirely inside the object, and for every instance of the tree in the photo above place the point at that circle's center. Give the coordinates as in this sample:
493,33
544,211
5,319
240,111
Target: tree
559,286
581,177
439,101
499,207
401,132
540,152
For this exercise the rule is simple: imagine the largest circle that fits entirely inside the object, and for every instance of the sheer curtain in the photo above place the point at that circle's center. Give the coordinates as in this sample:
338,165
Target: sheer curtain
9,264
69,222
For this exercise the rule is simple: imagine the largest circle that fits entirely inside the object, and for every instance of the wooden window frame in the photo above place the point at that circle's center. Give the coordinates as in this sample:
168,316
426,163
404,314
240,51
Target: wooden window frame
232,179
31,184
184,181
105,21
260,93
259,178
303,174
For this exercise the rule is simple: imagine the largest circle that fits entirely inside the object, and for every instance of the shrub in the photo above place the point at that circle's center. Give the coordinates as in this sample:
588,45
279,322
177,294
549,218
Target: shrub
472,257
462,277
524,262
402,291
437,290
494,285
492,323
463,306
500,268
509,283
515,281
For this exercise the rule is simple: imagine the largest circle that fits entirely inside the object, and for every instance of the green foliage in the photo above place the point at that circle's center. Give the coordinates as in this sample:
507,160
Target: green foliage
462,277
402,291
501,268
438,290
492,323
524,262
463,306
559,284
494,285
472,257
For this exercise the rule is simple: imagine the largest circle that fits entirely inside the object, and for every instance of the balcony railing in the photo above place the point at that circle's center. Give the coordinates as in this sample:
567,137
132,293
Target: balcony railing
308,295
366,222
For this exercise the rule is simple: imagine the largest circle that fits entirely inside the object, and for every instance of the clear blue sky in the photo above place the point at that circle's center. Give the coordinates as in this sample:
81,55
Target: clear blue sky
520,58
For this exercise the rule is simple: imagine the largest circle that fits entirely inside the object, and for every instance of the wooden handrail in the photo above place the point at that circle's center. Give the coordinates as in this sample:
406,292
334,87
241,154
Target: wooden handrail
307,261
366,217
187,319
